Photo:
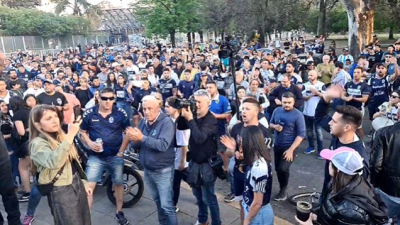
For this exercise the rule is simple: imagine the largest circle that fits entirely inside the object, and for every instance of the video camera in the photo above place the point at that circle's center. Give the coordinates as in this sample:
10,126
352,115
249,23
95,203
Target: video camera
190,103
228,48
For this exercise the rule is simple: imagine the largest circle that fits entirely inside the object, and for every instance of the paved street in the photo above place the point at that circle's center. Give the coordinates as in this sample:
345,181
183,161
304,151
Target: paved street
145,212
306,175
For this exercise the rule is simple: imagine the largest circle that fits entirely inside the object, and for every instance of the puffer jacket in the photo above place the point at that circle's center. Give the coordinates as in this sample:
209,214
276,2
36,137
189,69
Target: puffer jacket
384,162
356,204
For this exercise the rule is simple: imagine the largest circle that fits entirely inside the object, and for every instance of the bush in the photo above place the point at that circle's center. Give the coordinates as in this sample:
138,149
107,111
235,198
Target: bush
18,22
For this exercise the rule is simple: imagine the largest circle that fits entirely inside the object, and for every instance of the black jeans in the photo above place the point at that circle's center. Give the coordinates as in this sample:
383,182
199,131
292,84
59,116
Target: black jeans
176,185
282,166
372,109
7,192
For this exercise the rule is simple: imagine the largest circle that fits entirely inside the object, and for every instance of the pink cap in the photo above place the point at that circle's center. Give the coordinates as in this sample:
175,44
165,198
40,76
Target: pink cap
328,154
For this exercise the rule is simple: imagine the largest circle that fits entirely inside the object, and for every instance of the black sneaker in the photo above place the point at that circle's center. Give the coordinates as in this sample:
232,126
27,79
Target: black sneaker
230,197
176,209
281,196
120,218
24,197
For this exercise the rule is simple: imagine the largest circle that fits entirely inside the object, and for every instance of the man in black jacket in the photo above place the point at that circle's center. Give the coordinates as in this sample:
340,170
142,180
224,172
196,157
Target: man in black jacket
385,167
203,145
286,85
7,187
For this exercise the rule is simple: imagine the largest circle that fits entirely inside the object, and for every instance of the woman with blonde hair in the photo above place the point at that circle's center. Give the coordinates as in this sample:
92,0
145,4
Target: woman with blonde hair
55,158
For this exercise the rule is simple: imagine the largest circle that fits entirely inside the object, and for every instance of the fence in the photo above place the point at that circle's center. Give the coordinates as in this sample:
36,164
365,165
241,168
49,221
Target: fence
35,43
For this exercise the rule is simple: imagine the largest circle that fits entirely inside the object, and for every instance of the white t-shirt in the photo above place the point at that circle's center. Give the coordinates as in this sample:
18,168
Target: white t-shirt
131,71
311,104
182,139
32,91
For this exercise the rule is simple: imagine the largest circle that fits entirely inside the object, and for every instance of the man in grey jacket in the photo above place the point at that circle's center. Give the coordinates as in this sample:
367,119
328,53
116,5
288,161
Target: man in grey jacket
154,137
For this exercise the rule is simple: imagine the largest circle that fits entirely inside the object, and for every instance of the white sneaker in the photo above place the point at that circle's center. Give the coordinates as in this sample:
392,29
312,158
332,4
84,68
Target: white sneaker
197,223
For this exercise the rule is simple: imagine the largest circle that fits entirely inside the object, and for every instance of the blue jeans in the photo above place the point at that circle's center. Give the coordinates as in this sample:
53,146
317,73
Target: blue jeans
264,217
311,126
14,162
159,183
96,167
206,197
231,168
393,205
34,200
127,107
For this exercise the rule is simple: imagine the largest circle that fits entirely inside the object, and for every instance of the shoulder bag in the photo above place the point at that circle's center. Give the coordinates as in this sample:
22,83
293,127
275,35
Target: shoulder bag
45,189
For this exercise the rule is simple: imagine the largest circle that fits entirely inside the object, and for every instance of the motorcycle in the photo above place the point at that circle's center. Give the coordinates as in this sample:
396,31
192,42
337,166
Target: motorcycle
133,181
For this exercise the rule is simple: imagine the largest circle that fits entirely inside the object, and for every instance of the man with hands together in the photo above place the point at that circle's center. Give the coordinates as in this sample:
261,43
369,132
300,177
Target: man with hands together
154,138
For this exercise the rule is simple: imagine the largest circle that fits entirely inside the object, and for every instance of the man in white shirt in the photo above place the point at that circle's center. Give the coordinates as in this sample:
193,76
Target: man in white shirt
151,76
36,89
131,69
312,91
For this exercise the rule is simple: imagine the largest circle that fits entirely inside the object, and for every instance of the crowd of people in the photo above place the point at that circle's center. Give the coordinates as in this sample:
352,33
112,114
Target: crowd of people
180,108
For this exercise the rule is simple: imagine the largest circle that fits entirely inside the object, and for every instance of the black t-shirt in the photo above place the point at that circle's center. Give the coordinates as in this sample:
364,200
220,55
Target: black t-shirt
57,99
83,96
236,134
23,116
322,109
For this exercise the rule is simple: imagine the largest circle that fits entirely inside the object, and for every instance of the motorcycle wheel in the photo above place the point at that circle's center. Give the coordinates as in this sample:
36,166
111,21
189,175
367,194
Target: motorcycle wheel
133,188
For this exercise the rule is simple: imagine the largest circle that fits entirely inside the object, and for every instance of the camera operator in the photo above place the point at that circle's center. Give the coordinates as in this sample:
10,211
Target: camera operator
203,145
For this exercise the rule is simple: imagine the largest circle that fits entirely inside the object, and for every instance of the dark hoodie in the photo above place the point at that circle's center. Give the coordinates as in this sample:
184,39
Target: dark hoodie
356,203
157,147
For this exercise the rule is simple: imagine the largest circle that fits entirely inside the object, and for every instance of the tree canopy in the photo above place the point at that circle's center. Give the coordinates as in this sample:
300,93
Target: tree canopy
38,23
166,17
20,3
163,18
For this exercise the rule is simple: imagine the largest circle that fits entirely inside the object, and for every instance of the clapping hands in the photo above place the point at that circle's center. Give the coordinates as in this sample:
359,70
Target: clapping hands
134,134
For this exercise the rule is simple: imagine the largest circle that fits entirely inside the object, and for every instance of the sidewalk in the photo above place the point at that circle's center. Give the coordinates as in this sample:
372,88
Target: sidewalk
144,212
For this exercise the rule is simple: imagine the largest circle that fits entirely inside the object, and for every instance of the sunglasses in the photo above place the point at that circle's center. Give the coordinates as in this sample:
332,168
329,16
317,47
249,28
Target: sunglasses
107,98
392,96
388,57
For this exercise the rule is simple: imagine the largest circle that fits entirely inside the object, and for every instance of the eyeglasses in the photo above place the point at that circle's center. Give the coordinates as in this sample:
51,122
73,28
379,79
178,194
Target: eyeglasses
392,96
107,98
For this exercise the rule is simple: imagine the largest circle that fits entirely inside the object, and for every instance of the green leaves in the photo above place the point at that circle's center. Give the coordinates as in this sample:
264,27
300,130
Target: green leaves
161,17
38,23
20,3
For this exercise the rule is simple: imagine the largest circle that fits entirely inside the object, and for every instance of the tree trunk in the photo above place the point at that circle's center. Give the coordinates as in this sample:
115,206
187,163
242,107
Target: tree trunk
391,36
322,12
215,35
194,37
172,36
189,37
201,36
360,15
